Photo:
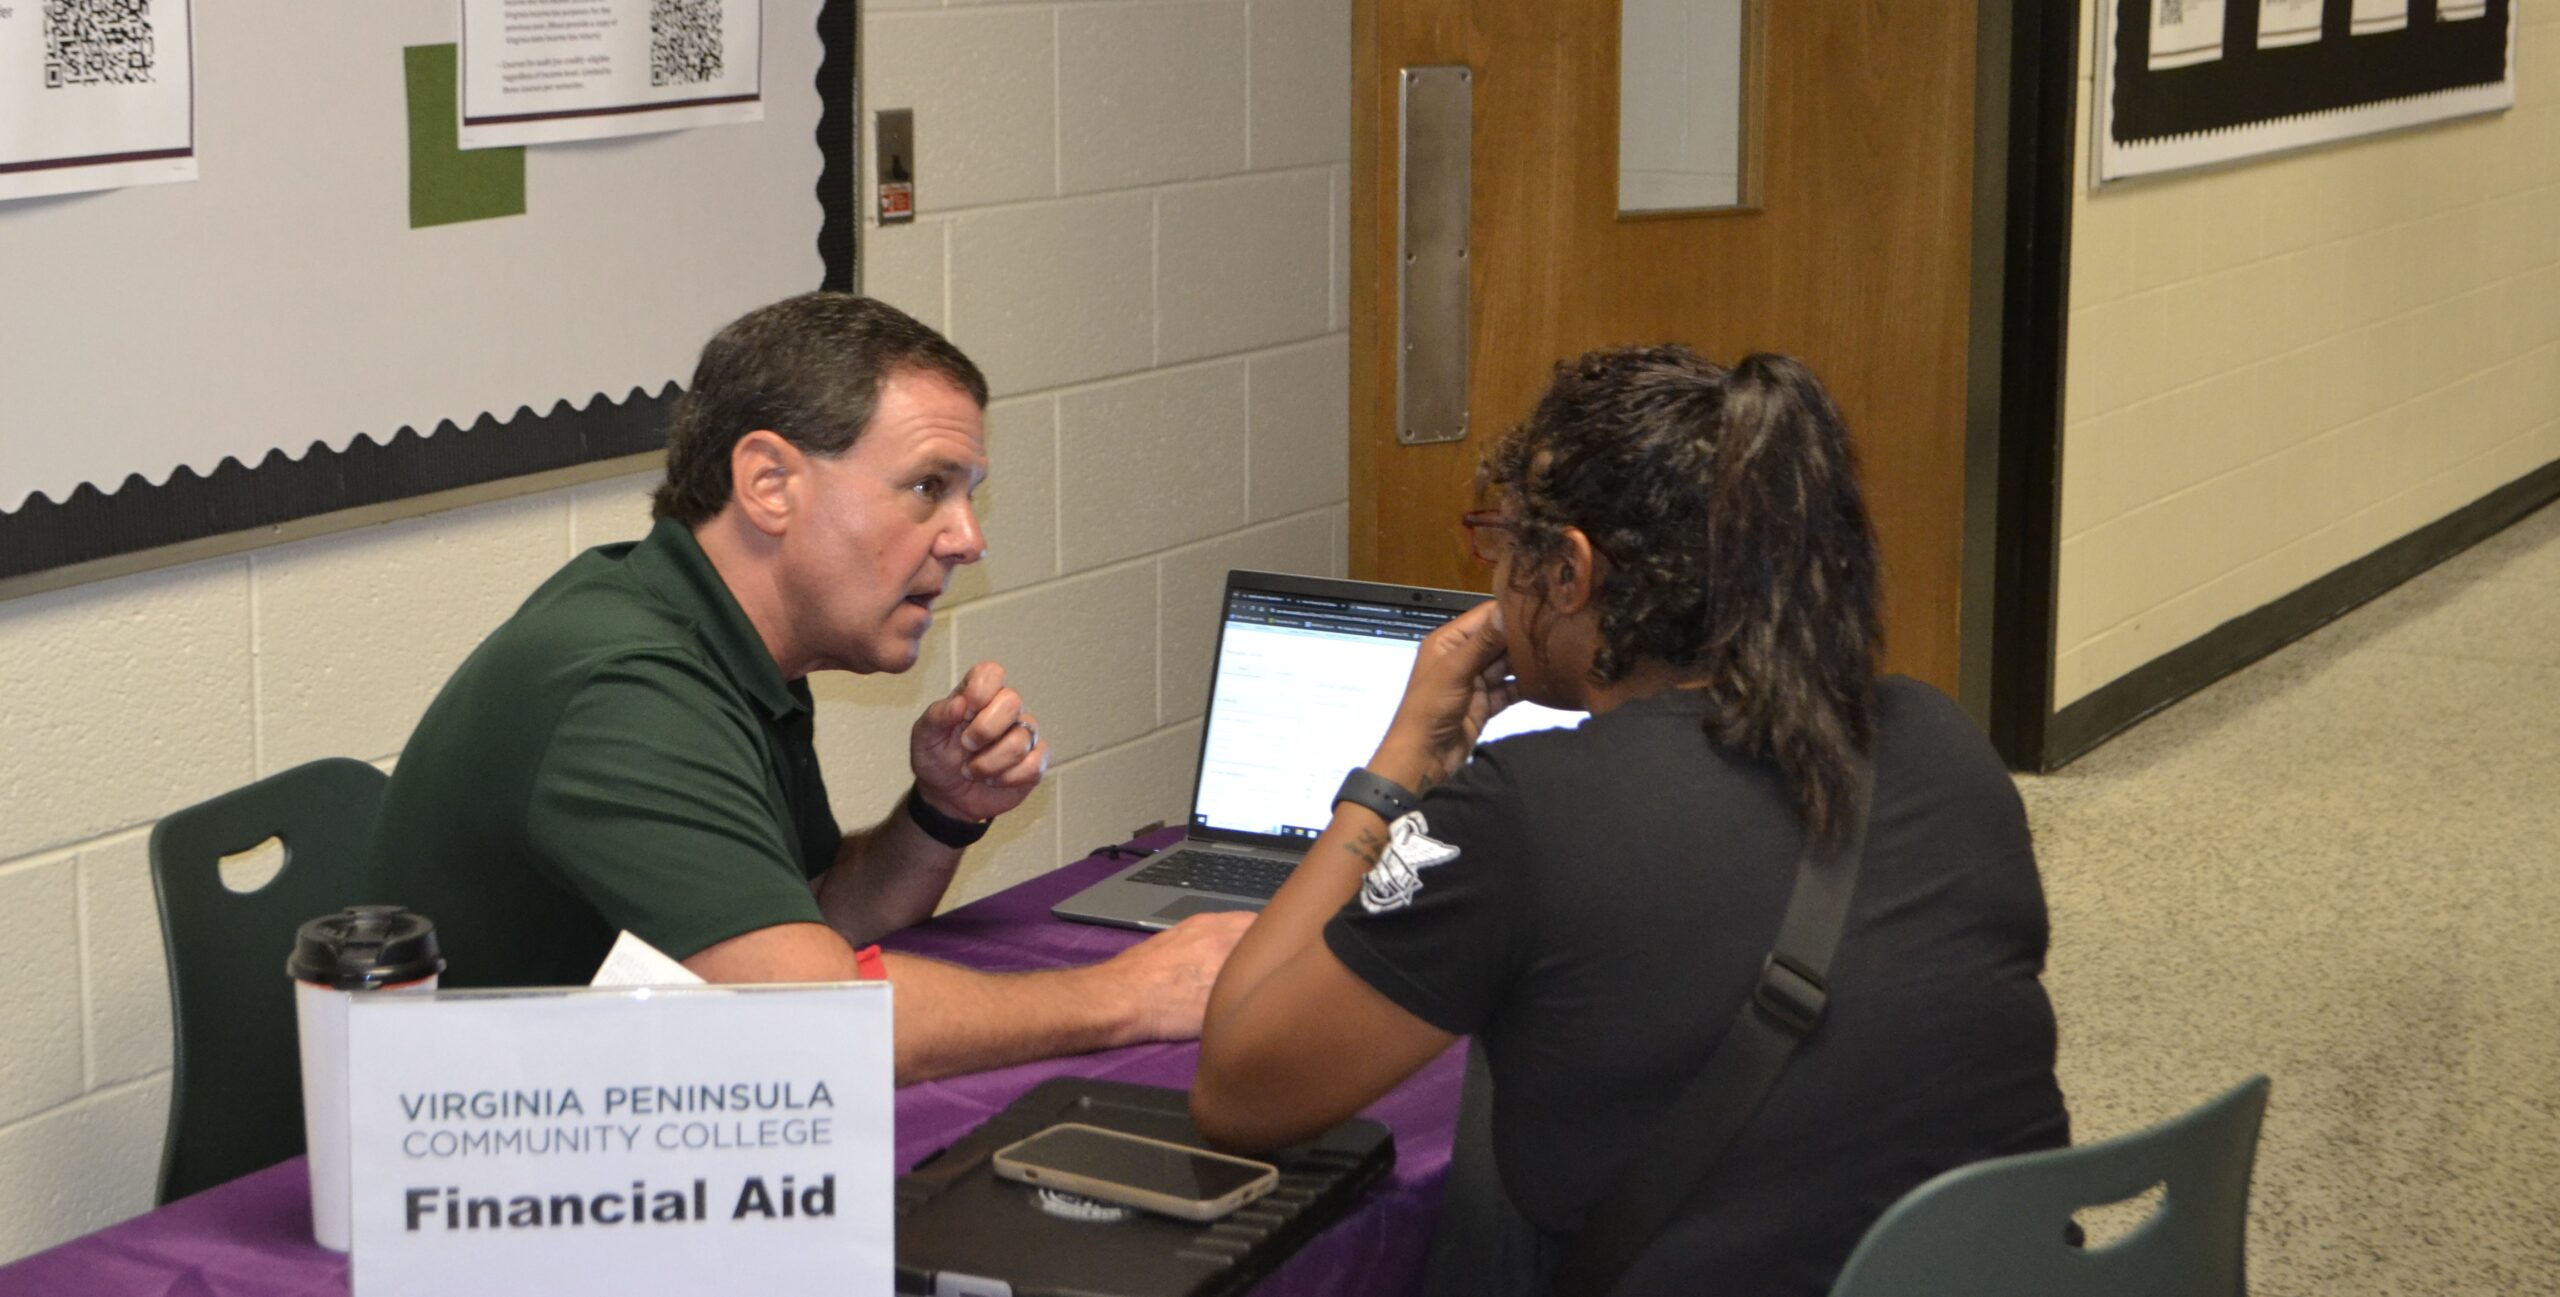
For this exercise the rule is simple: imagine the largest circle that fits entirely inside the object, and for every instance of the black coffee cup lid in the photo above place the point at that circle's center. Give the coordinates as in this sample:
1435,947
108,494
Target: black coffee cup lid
365,946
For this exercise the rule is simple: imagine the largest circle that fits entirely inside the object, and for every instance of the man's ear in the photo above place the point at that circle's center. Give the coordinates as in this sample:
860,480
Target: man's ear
762,468
1571,583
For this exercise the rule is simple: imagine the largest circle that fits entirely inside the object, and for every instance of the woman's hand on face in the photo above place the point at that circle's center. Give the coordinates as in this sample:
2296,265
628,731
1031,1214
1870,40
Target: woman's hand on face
1460,679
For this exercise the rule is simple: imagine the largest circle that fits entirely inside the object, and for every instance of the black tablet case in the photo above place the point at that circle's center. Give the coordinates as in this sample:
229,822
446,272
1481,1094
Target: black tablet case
962,1232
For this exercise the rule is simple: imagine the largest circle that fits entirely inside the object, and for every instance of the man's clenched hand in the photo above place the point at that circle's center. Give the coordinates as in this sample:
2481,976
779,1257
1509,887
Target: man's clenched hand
977,753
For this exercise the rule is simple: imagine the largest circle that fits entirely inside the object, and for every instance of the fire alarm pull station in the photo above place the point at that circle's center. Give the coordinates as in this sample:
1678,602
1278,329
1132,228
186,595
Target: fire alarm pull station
894,134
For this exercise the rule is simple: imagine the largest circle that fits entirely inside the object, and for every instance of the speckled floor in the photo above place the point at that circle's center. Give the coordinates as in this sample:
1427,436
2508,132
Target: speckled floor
2341,867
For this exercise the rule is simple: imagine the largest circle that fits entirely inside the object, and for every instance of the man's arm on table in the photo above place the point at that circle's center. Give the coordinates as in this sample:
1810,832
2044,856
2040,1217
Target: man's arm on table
976,755
952,1019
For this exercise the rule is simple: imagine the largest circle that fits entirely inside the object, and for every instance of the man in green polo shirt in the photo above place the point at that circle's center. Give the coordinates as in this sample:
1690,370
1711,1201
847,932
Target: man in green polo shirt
632,750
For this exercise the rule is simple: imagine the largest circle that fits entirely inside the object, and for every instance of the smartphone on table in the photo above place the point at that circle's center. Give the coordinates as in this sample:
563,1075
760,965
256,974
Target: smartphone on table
1135,1171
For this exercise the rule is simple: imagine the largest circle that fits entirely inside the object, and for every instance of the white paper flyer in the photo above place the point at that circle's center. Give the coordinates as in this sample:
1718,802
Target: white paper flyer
95,94
545,71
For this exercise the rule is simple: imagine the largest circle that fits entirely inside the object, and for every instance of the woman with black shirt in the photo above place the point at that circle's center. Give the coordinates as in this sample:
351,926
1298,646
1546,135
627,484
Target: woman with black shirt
1683,551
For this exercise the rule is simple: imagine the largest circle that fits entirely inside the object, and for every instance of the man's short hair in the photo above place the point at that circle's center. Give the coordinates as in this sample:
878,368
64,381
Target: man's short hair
809,369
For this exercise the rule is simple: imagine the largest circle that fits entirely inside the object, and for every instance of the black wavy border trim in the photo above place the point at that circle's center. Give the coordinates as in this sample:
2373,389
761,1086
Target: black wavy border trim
138,515
2248,85
839,26
89,524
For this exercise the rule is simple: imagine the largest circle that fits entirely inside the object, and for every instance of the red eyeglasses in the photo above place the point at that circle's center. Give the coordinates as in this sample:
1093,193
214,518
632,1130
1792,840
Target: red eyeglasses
1488,534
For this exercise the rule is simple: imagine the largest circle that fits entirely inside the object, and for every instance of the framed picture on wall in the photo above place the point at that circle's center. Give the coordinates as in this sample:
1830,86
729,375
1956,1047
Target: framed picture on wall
2192,83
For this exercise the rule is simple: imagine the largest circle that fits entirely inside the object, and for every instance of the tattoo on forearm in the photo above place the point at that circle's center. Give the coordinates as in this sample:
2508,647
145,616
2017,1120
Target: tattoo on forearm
1368,845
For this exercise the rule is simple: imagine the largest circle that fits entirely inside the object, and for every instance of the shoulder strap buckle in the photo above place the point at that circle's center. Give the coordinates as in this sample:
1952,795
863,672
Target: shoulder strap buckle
1790,993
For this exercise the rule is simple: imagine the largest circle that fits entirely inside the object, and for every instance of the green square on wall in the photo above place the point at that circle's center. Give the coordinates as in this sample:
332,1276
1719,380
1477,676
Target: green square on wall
447,184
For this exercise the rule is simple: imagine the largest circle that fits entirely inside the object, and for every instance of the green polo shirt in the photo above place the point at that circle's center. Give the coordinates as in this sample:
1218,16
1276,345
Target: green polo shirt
622,753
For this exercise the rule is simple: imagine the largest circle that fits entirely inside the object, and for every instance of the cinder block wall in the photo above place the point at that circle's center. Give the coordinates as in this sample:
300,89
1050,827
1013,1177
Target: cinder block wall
2279,367
1133,217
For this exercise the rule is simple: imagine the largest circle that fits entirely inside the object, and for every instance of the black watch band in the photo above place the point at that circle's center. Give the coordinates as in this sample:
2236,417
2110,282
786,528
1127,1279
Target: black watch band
945,829
1391,800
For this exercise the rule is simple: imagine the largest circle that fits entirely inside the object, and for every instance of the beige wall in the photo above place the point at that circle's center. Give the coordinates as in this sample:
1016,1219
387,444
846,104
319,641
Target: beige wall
2278,367
1134,219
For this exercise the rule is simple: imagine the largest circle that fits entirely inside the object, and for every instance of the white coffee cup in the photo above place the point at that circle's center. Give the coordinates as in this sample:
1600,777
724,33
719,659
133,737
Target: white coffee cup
362,950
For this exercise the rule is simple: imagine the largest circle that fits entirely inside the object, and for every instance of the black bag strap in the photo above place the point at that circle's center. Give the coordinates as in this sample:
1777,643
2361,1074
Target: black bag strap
1702,1124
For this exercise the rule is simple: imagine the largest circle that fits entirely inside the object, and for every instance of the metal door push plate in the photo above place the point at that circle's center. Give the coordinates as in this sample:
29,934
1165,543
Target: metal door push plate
1432,207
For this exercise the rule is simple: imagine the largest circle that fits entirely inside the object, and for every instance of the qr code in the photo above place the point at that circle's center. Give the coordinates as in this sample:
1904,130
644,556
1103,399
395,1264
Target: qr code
2172,12
97,42
684,42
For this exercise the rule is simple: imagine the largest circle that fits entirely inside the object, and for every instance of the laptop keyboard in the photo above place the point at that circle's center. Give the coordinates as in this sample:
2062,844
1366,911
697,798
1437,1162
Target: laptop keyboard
1217,871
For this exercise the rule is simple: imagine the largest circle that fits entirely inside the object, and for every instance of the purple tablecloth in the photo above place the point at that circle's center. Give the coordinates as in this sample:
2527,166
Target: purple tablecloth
252,1237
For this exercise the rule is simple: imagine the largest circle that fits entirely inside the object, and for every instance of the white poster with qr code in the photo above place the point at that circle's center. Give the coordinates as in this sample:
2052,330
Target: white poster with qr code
95,94
545,71
2185,32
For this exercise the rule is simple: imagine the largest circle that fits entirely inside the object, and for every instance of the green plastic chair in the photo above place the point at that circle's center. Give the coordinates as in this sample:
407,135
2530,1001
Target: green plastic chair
2001,1228
236,1098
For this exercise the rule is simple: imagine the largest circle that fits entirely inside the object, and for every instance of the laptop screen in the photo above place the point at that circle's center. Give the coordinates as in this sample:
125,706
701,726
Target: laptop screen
1304,687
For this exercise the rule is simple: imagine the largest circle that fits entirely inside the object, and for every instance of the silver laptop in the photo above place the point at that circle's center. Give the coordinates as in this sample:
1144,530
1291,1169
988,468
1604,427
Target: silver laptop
1308,673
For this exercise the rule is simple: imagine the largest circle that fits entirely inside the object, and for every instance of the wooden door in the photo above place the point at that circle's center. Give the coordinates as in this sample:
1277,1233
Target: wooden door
1855,260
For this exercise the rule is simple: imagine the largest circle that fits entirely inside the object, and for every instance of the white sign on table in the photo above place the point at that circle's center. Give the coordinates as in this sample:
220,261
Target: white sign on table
694,1139
544,71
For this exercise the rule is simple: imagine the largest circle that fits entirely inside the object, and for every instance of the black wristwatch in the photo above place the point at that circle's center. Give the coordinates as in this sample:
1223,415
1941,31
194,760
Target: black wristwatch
947,830
1391,800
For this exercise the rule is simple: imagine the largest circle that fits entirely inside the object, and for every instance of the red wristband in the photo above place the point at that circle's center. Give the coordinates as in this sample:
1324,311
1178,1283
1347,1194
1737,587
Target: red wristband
868,963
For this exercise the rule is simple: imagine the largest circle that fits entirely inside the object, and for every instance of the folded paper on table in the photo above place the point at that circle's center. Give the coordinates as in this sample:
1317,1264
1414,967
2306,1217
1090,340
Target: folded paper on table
633,962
